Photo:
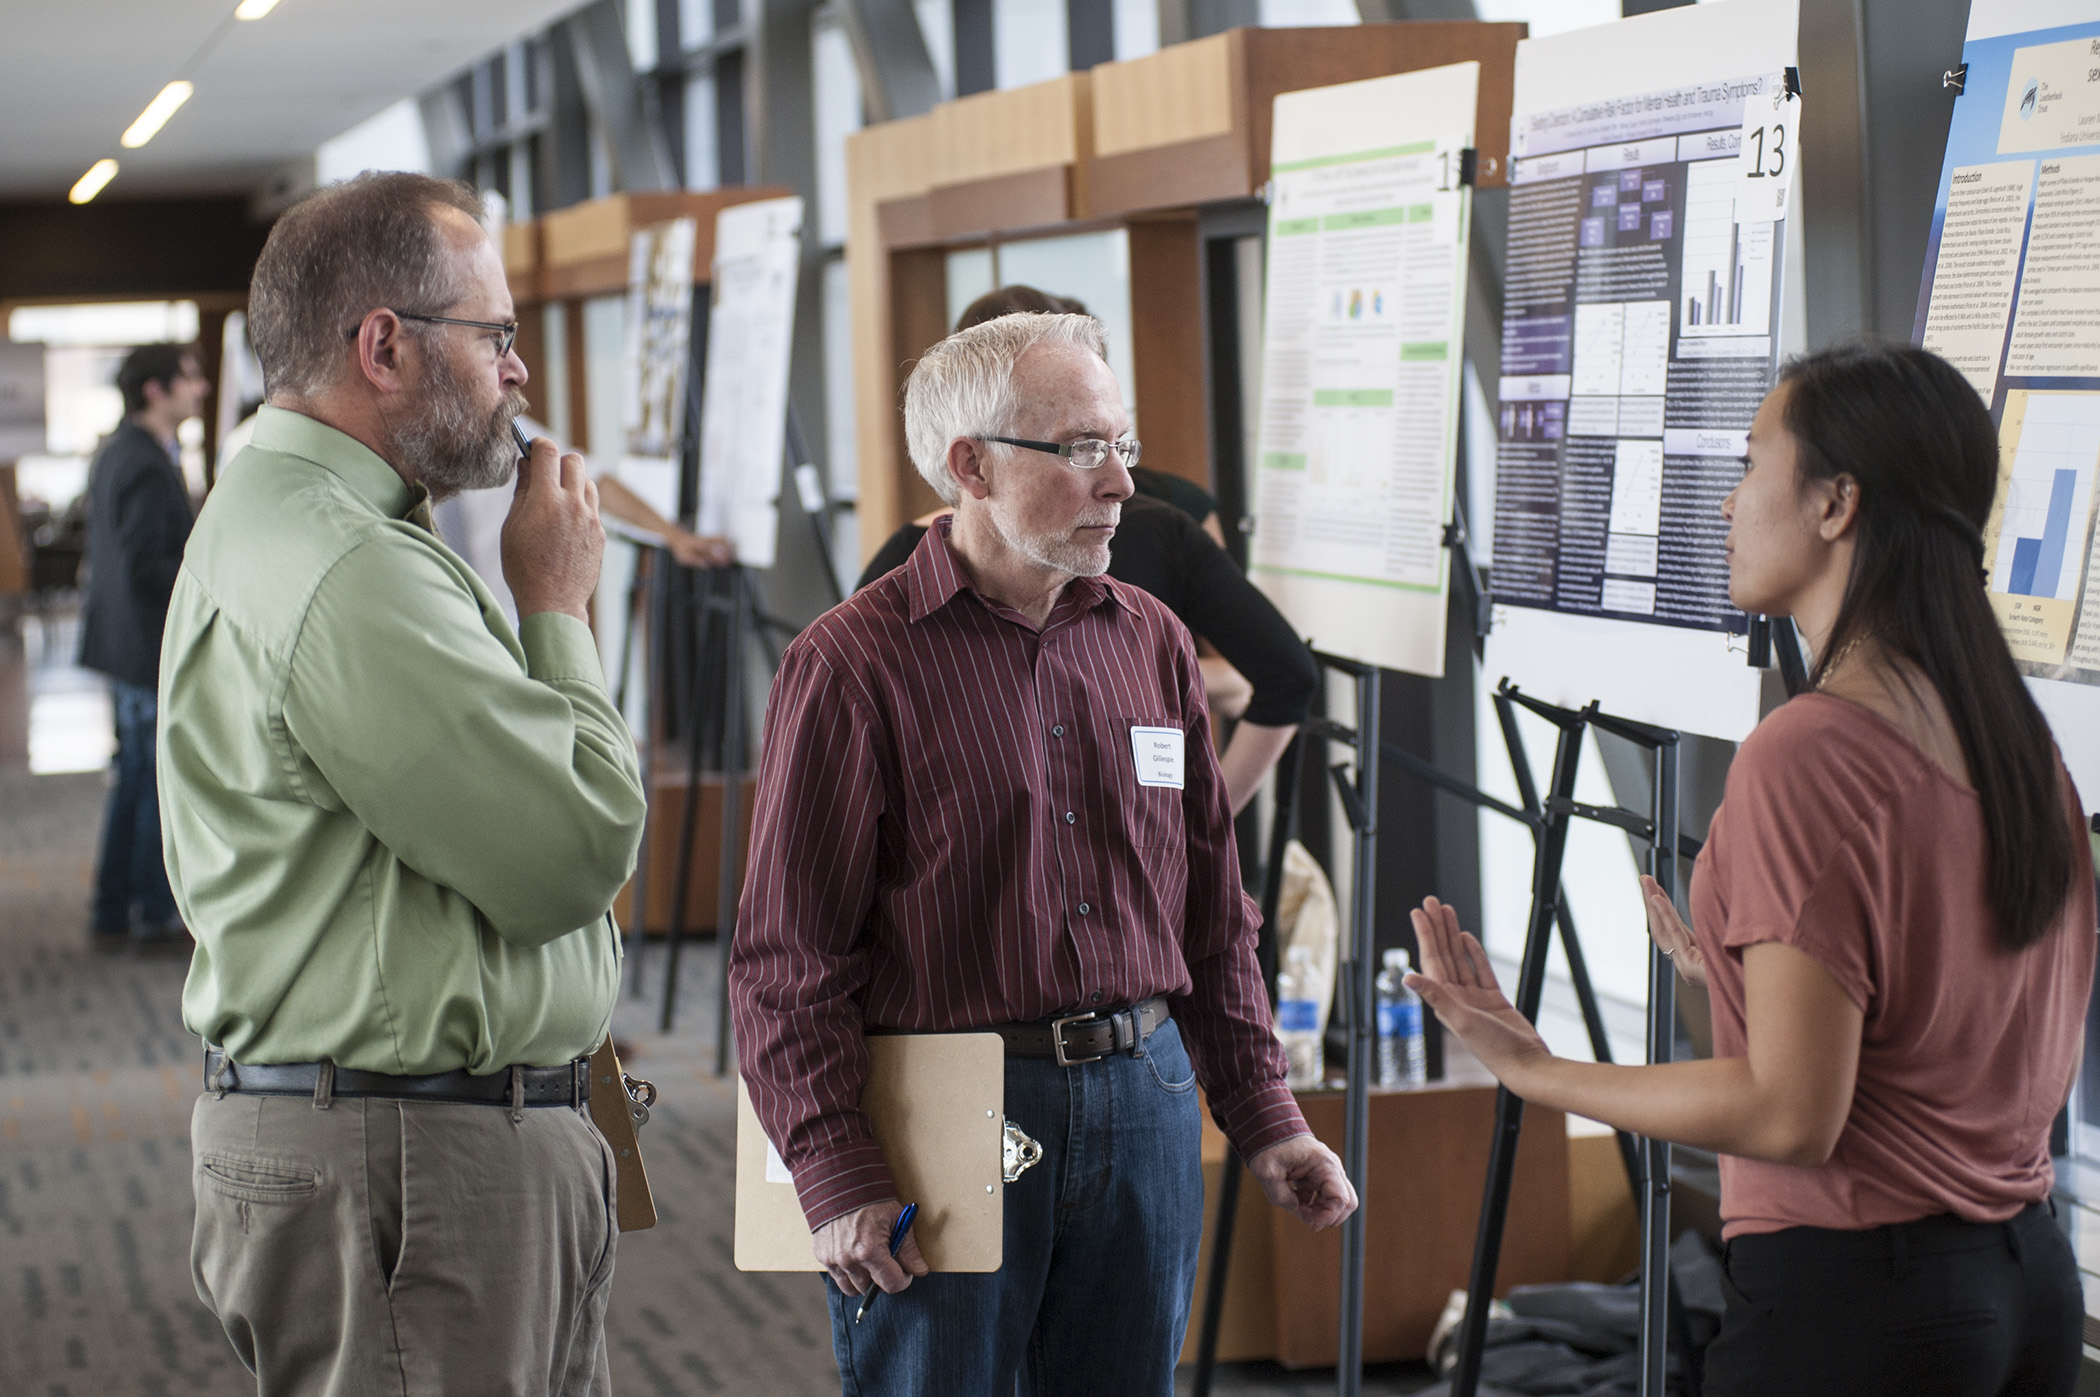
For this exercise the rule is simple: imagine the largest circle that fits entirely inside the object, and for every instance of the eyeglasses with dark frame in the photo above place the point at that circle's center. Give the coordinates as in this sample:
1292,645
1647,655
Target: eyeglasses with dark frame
1087,453
508,330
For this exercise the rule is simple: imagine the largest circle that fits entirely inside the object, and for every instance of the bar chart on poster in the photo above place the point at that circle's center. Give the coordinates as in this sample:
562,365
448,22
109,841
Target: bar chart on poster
2011,296
1361,358
1641,329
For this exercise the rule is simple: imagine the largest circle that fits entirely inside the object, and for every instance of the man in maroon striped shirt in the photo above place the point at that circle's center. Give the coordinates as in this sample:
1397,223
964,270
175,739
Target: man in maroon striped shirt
988,800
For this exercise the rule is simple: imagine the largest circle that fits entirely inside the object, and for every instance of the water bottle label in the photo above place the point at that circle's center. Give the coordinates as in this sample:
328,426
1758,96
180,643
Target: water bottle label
1407,1020
1389,1020
1298,1016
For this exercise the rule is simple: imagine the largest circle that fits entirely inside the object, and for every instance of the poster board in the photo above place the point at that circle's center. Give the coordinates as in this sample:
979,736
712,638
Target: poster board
1366,289
743,417
2009,297
1642,326
937,1102
658,355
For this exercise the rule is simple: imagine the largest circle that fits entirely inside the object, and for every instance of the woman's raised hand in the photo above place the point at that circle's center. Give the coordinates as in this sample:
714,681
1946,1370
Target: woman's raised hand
1458,983
1672,936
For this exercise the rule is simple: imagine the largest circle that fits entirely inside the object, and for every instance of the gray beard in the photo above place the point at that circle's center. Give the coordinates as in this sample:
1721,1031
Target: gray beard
448,445
1056,551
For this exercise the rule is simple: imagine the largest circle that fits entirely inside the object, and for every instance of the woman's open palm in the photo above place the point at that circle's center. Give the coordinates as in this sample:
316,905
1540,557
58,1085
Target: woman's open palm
1671,935
1458,983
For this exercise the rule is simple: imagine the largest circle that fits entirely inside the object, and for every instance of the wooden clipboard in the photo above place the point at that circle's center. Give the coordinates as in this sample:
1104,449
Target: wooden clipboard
938,1105
614,1116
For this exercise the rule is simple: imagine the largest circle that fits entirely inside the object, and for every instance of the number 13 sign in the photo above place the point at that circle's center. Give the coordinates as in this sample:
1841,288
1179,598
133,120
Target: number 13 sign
1770,155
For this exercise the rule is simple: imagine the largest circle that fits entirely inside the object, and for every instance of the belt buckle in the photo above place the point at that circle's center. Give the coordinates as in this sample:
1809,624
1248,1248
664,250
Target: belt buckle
1057,1039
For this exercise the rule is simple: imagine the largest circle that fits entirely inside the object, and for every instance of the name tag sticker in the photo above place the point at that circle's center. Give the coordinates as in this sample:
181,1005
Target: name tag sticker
776,1167
1157,752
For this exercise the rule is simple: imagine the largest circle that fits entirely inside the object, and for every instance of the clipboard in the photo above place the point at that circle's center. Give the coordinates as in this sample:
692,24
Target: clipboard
937,1102
615,1117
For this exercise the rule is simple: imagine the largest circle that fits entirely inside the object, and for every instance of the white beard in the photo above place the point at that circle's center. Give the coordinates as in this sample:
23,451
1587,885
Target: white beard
1058,551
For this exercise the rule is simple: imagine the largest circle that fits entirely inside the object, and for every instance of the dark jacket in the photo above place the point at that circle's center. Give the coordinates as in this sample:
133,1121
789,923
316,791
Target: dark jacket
138,521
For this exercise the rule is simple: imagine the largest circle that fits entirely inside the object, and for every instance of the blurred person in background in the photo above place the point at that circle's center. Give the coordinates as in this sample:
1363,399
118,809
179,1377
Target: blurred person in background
138,521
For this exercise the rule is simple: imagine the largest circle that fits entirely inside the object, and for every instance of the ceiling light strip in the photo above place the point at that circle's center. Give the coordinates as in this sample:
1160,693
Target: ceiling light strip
156,114
90,184
253,9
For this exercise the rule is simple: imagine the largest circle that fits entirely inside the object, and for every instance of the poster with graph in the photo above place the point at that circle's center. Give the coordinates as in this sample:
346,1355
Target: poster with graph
1361,359
2011,296
1643,322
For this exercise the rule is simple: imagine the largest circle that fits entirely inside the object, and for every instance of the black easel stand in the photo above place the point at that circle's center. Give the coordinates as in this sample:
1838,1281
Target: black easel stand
1556,812
1359,799
724,612
1282,829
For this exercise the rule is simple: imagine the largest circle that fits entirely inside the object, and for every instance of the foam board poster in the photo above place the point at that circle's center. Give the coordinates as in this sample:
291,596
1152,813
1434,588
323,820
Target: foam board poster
743,415
1366,291
1652,185
2011,296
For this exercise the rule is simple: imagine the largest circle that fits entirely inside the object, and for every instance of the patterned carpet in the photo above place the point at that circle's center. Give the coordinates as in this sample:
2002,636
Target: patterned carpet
96,1080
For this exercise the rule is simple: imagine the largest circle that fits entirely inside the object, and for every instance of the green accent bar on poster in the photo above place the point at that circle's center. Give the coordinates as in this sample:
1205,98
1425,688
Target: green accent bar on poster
1287,226
1283,460
1420,213
1428,351
1362,218
1353,397
1383,153
1346,577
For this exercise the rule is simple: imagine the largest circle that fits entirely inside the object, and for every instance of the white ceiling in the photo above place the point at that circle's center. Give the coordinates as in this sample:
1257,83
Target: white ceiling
74,73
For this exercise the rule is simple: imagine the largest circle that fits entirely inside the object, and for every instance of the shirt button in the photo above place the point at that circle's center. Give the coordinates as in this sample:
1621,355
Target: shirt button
1084,909
1070,818
1096,999
1058,731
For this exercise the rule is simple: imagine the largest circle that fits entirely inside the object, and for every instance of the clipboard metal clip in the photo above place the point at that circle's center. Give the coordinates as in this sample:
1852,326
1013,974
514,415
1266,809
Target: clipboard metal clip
1020,1153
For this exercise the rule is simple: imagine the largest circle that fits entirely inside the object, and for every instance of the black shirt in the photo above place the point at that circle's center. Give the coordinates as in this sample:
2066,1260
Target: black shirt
1163,551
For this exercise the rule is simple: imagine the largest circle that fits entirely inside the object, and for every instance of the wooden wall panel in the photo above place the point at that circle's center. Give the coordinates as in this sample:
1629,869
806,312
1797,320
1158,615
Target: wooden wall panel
1166,337
1428,1155
896,160
1178,94
919,320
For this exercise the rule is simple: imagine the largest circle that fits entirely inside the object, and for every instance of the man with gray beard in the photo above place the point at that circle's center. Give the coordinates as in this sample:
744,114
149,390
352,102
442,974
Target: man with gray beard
987,801
395,826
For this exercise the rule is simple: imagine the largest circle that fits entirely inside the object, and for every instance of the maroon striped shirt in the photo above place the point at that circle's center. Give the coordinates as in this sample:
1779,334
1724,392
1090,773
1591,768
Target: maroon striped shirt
950,834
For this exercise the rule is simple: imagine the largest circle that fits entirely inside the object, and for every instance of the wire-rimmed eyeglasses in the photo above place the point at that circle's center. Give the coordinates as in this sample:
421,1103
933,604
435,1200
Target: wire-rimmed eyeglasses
1087,453
506,332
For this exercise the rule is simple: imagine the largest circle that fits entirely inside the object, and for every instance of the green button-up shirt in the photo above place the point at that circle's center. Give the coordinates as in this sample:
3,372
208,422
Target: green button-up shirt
393,825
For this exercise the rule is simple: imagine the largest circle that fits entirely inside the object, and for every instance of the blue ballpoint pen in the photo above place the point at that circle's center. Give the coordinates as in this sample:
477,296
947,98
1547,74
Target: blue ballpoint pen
897,1231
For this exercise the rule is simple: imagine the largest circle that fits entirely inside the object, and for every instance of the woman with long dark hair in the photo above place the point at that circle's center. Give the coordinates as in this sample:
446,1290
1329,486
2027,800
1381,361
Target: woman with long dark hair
1895,924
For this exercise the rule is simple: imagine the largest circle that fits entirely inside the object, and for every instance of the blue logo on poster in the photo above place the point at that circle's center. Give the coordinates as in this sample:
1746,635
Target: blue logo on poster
2027,99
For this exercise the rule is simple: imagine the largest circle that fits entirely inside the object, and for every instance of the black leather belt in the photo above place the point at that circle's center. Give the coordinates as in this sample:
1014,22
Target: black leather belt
566,1085
1073,1039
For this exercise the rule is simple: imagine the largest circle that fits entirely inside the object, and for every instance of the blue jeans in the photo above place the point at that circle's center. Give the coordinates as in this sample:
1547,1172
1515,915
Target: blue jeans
131,872
1100,1249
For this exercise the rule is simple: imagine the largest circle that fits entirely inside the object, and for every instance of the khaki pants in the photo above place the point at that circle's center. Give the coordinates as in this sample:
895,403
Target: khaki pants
411,1249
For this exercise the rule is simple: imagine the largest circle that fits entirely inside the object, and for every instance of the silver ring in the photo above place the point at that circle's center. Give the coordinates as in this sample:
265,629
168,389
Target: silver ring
1666,954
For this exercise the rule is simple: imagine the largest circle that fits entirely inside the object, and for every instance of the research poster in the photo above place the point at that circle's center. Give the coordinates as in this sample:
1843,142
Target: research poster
743,418
1366,288
658,351
2012,297
1652,178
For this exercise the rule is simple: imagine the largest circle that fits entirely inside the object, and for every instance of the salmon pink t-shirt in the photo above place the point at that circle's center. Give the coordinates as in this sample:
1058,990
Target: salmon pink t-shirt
1839,838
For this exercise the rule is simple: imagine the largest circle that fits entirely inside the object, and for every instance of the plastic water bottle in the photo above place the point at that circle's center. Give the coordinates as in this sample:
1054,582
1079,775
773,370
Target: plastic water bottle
1403,1053
1298,1020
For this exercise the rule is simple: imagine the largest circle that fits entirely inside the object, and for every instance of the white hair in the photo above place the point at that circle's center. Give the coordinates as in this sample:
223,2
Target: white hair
963,386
